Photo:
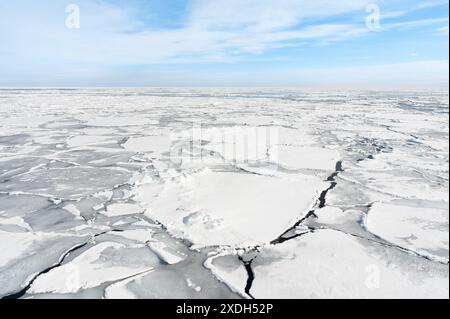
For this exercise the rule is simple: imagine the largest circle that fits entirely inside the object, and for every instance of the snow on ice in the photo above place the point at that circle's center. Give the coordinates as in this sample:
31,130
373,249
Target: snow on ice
222,193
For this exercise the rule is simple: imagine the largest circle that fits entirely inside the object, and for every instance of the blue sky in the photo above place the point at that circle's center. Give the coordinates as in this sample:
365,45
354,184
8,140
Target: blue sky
224,43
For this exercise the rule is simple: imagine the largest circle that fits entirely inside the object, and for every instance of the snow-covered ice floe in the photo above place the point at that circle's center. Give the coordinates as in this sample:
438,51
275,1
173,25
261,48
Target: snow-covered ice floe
223,193
331,264
226,208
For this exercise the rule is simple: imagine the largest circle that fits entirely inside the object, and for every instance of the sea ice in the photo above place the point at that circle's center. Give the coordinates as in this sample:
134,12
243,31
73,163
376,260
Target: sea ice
223,208
106,261
419,228
330,264
185,193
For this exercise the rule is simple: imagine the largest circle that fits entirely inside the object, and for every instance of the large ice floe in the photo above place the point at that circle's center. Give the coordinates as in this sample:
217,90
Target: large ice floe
223,193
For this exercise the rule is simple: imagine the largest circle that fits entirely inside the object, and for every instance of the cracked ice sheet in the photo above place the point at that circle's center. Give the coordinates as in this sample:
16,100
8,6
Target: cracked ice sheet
186,279
398,184
149,144
68,183
106,261
24,255
122,209
84,140
38,128
305,157
216,208
331,264
421,229
119,121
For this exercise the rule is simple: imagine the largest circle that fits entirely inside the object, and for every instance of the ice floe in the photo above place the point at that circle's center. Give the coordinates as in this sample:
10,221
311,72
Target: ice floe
223,193
419,228
106,261
224,208
331,264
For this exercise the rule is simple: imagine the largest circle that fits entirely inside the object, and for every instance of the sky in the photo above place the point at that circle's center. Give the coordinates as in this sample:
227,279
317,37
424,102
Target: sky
305,43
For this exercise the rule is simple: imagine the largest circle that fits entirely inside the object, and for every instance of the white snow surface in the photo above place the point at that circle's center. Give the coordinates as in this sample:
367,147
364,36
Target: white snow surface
217,208
422,229
178,193
329,264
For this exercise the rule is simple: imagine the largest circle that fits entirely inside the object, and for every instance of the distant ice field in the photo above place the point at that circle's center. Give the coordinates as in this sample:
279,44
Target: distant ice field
223,193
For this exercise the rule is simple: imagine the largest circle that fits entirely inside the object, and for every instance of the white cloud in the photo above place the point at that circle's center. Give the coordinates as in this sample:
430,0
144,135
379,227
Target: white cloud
214,31
442,31
409,75
112,37
414,23
430,4
265,15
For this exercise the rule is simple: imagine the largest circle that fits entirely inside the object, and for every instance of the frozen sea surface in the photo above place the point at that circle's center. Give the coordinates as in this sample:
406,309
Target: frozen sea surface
223,193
